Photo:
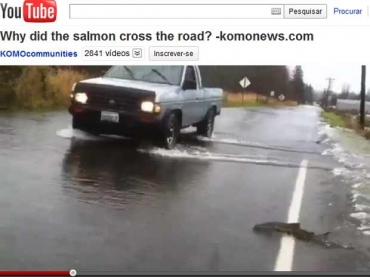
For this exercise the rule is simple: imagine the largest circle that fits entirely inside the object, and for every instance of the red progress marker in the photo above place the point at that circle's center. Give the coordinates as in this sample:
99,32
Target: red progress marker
34,273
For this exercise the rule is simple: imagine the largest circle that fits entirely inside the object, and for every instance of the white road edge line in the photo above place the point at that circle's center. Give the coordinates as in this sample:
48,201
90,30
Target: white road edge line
284,260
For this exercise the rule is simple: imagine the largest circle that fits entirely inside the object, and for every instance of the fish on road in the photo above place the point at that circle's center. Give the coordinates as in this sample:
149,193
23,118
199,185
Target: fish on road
295,230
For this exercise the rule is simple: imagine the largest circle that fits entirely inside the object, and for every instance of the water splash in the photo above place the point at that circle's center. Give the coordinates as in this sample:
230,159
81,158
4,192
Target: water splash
352,152
208,156
69,133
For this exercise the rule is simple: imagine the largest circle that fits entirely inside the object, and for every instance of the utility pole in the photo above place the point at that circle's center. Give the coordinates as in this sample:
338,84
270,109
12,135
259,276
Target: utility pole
330,83
328,91
362,103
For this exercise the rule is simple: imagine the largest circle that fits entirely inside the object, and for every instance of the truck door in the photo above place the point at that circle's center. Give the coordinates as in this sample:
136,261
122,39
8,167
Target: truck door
190,96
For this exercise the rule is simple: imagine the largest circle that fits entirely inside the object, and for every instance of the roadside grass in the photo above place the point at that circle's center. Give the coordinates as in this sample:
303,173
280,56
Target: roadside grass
346,120
59,84
39,88
334,119
251,99
229,102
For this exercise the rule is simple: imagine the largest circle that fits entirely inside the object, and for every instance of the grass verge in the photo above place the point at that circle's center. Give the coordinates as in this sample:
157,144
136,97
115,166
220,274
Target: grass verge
239,100
346,120
39,88
258,104
334,119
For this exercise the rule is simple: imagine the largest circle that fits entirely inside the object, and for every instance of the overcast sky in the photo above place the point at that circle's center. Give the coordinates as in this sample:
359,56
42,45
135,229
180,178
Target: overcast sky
317,76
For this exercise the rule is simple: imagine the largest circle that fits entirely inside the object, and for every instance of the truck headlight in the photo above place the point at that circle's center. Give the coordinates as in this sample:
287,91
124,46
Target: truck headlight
81,97
150,107
147,106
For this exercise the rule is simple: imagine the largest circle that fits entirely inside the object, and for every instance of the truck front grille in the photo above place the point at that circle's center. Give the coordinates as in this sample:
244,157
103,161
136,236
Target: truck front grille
112,100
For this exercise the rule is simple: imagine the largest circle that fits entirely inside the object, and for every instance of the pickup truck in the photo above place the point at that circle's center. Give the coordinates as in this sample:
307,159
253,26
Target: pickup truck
149,101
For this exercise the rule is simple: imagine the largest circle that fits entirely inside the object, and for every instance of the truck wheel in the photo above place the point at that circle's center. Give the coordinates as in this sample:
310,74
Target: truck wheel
171,131
205,128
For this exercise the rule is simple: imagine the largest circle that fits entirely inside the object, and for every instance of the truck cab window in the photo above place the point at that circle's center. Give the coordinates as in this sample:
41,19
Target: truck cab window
190,81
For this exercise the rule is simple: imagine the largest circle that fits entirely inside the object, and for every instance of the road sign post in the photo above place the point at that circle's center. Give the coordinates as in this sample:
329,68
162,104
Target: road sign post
272,94
244,83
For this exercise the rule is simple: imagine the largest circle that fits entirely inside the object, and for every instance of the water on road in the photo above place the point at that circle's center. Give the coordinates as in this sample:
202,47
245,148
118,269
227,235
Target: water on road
72,200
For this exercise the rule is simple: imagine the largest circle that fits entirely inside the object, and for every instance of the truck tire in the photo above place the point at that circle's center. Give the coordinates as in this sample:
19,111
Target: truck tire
170,132
206,126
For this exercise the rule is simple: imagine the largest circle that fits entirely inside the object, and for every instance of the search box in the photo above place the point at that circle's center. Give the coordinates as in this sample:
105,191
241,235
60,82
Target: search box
175,11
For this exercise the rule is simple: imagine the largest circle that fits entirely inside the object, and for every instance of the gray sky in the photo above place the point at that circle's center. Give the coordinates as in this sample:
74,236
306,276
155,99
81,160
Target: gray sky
317,76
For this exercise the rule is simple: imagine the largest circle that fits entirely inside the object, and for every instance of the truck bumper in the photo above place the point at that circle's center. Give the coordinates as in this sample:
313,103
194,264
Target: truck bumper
130,124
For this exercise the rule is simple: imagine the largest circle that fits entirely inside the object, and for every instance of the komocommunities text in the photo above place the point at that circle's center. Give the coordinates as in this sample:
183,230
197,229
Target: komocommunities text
37,54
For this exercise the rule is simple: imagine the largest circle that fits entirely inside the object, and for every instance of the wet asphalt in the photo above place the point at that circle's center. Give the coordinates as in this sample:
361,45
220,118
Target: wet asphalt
70,200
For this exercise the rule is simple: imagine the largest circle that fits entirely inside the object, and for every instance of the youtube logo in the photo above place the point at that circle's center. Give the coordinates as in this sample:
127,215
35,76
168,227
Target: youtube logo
35,11
39,11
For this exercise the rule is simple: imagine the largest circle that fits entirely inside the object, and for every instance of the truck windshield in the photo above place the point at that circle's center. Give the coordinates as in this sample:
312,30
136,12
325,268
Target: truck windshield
154,74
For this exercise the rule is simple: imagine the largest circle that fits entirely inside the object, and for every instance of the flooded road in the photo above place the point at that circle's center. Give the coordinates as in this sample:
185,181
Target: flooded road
71,200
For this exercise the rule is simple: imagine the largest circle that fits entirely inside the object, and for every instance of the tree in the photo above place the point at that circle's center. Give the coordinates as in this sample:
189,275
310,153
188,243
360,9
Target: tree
346,90
308,94
298,86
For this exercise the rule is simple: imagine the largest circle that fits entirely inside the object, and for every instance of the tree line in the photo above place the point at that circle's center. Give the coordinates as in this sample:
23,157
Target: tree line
347,93
264,79
328,98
